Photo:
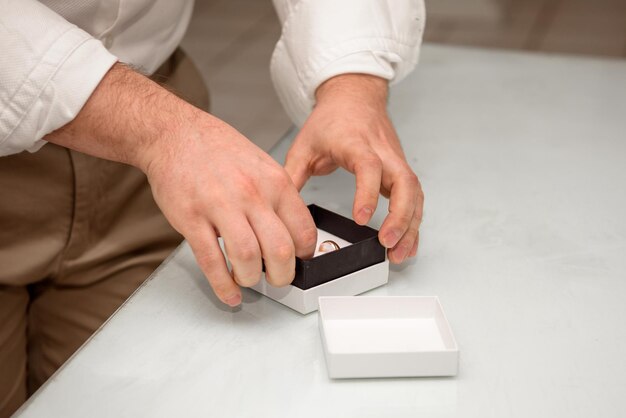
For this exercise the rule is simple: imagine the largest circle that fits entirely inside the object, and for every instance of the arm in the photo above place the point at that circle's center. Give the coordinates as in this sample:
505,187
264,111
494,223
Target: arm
336,59
58,84
206,177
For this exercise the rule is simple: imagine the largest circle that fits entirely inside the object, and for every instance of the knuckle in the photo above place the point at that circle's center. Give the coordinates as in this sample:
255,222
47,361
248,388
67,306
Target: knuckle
373,159
248,188
411,233
404,217
209,259
248,280
420,197
308,237
280,280
411,179
283,253
188,208
370,161
246,253
280,179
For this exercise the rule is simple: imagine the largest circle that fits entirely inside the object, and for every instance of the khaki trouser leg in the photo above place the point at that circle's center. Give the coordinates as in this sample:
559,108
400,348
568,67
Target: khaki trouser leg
13,319
77,236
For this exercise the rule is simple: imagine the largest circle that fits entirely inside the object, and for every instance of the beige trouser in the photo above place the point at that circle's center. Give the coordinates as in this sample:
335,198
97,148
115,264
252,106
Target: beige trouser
77,236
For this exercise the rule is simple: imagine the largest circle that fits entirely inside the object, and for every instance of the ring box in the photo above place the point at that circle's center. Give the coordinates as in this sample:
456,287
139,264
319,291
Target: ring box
368,336
358,266
386,336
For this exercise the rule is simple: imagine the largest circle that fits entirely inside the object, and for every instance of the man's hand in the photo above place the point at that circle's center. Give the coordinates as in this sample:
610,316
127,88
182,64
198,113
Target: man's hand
349,127
206,177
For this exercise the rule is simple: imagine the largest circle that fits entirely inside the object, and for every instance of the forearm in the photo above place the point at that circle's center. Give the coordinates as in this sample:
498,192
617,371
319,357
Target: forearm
126,118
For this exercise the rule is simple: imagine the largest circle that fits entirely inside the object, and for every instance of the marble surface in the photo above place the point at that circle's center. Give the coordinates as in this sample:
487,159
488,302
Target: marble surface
523,162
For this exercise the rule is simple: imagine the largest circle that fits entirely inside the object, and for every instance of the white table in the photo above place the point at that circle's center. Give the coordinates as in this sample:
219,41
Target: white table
523,162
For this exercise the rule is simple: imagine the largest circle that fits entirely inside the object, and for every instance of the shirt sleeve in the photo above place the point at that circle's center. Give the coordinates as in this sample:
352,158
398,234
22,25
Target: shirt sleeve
324,38
48,70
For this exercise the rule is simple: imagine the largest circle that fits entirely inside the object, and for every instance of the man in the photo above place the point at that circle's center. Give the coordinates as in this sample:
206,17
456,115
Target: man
80,229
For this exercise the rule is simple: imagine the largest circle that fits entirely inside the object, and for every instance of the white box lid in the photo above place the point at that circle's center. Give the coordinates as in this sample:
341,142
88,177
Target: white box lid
386,336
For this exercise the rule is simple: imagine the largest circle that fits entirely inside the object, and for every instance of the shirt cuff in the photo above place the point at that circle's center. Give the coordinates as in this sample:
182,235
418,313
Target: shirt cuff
55,91
324,38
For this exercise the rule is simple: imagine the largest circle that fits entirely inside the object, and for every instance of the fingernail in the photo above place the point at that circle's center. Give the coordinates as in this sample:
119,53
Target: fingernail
391,239
233,300
365,214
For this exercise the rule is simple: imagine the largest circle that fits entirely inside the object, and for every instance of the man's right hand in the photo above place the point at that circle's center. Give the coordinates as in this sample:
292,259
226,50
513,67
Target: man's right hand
207,178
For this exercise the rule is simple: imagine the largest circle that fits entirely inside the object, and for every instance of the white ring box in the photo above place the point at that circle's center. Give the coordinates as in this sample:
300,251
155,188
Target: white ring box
358,266
386,336
306,301
379,336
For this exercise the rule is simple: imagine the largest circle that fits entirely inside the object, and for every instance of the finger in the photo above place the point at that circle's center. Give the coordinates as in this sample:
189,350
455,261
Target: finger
402,250
242,249
368,171
413,252
297,166
207,251
403,200
276,245
298,220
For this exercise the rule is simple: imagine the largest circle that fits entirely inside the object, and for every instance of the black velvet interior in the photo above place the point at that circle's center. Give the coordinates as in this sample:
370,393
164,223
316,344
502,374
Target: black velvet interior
365,250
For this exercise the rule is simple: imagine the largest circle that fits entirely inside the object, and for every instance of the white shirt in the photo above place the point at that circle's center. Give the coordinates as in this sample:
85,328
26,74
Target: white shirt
53,53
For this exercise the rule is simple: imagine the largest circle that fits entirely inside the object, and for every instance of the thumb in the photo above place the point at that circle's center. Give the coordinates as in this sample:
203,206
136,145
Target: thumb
297,166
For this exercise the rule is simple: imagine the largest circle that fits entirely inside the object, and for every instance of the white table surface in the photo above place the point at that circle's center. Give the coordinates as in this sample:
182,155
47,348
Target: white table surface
523,162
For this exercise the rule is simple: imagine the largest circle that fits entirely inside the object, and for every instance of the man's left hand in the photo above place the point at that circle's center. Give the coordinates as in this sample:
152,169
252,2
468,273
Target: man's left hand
350,128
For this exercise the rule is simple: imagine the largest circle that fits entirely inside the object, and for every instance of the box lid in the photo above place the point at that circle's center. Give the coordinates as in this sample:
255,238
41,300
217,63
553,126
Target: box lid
386,336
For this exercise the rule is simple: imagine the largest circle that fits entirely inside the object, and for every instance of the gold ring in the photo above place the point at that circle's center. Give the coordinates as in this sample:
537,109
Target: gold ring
328,246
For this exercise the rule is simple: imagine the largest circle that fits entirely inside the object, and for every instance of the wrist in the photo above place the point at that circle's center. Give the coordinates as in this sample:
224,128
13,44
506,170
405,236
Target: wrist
153,121
362,88
182,128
